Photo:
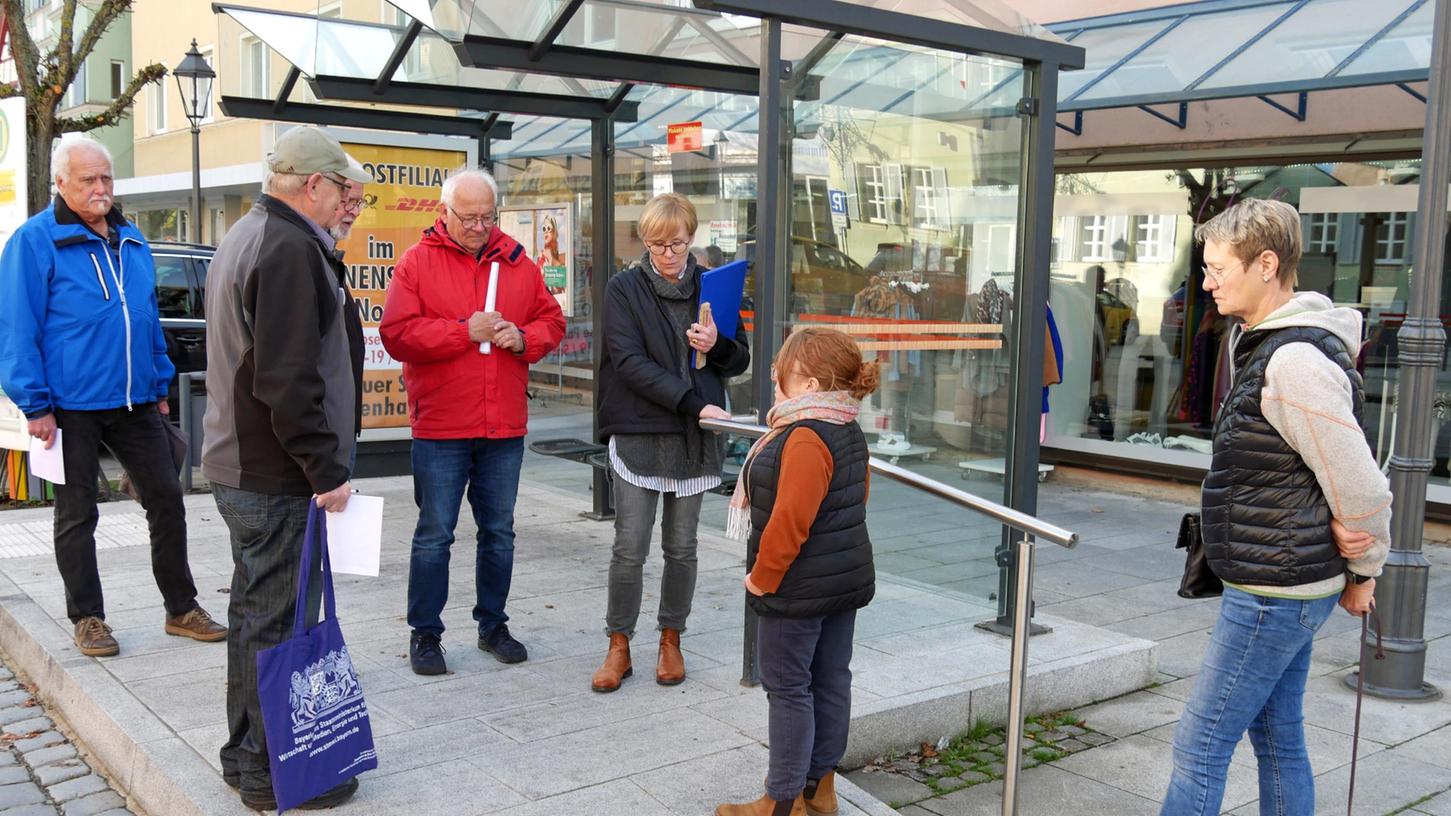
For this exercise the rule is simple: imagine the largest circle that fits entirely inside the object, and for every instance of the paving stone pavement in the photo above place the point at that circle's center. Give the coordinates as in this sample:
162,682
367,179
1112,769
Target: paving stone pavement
41,774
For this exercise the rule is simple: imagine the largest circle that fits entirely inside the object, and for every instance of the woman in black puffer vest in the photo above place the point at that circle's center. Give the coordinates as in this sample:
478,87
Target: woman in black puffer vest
1295,512
801,506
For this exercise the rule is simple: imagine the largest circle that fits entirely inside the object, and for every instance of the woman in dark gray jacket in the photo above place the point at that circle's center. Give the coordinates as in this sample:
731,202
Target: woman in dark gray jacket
651,402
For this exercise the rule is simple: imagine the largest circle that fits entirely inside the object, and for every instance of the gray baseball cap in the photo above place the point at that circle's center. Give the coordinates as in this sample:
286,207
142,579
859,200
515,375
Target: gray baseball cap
307,150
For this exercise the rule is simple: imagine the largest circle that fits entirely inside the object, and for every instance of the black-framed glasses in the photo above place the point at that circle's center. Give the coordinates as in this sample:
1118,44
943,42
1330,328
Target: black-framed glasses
675,247
485,220
343,185
353,205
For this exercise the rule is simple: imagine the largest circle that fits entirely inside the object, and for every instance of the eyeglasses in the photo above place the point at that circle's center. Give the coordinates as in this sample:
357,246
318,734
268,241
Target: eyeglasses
776,373
341,184
1218,275
485,220
352,205
675,247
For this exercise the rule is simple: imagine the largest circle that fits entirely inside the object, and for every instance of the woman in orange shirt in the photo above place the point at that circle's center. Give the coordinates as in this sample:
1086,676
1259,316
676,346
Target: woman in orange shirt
801,506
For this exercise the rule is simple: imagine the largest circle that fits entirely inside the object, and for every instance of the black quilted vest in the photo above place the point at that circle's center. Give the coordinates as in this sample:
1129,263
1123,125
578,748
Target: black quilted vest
1265,518
833,572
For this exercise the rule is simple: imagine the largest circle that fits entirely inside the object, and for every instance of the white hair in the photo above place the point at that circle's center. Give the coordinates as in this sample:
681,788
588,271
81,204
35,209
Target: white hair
60,160
282,184
451,183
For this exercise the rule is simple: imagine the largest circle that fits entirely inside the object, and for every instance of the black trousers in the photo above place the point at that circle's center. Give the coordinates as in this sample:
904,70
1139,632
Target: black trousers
141,443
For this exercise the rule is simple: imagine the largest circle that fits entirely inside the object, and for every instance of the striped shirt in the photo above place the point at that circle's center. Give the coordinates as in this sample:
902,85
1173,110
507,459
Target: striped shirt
682,488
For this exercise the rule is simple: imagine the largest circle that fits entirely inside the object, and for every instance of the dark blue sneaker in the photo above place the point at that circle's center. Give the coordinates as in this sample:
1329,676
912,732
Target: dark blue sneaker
502,645
425,654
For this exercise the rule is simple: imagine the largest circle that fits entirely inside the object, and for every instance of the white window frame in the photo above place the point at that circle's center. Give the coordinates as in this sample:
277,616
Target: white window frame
76,95
1322,233
119,87
1154,238
156,109
1106,231
250,48
1065,240
1392,249
874,208
212,102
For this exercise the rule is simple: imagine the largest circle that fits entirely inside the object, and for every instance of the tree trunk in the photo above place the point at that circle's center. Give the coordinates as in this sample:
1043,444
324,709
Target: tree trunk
39,134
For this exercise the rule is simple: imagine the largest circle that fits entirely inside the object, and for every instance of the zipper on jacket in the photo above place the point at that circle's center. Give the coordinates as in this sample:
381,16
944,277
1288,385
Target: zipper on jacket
125,309
100,278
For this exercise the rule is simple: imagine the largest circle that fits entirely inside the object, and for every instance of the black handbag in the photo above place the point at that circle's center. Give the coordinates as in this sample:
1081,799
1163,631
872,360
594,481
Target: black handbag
1198,581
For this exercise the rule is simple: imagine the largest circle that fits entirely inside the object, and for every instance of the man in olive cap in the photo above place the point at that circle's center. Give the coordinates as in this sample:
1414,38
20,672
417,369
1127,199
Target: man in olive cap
284,375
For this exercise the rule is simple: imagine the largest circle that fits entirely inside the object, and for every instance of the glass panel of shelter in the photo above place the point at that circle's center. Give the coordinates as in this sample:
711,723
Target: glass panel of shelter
1144,349
1405,47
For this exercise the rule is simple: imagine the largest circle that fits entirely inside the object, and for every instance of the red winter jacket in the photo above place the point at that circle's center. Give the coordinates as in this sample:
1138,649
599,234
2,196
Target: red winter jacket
455,392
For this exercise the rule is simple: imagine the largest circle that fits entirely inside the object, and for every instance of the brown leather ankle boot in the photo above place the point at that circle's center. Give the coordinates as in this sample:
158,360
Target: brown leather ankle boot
670,668
616,667
820,795
765,806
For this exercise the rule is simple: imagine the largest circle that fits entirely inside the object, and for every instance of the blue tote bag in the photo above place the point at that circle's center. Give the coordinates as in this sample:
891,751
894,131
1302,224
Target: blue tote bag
318,733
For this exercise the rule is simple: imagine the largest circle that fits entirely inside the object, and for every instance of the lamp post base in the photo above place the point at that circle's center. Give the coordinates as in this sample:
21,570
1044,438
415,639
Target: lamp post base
1425,694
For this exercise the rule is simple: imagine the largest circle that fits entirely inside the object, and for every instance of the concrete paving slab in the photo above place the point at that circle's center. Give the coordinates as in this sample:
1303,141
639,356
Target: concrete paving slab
1331,705
1384,783
1439,805
1434,747
1142,766
1046,790
1132,714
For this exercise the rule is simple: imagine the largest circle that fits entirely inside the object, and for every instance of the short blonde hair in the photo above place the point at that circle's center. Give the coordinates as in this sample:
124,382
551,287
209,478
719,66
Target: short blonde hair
665,215
1256,225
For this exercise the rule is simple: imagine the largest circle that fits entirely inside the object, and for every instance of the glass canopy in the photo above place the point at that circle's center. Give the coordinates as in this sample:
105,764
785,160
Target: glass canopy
1222,49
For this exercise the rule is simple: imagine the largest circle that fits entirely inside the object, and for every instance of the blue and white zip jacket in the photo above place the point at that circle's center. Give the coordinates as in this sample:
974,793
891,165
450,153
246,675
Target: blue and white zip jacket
79,328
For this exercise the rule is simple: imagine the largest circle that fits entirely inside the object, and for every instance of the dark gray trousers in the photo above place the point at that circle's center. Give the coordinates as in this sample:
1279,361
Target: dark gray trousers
806,672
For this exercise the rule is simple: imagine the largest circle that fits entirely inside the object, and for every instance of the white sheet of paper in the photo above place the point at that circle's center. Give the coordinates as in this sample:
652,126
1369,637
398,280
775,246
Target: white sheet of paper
355,536
47,464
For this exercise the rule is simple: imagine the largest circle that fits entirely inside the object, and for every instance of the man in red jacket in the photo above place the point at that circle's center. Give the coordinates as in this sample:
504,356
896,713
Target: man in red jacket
468,408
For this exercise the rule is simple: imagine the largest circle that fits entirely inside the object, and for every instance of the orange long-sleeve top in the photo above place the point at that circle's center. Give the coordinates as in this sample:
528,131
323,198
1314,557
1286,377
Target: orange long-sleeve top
802,484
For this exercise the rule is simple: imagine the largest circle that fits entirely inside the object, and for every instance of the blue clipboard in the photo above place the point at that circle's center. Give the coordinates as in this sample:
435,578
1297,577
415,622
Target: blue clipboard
723,288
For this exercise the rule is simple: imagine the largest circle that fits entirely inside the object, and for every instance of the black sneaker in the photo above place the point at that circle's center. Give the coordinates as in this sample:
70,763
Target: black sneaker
502,645
425,654
264,800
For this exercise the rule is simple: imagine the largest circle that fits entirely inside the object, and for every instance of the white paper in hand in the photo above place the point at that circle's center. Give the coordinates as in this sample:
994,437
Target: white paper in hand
355,536
490,295
47,464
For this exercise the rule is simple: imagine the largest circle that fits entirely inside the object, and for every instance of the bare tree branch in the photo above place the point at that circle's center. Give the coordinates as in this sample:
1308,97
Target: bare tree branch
118,108
22,46
105,14
65,65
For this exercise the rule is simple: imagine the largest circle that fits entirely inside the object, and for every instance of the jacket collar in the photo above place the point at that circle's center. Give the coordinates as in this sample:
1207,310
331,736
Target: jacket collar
500,247
286,212
66,217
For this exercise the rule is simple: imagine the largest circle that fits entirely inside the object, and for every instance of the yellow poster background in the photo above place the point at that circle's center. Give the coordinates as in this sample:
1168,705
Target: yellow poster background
401,202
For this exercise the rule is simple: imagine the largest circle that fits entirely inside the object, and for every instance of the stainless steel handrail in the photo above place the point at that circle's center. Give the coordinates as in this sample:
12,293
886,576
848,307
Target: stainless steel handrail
1016,519
1027,527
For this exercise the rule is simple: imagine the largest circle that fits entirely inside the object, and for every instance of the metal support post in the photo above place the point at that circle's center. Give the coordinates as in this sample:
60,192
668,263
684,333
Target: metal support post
196,186
602,250
1018,669
1400,592
773,186
1038,115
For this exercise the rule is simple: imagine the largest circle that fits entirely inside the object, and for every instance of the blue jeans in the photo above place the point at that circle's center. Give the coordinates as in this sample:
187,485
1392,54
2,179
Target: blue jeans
267,533
1253,679
442,470
806,672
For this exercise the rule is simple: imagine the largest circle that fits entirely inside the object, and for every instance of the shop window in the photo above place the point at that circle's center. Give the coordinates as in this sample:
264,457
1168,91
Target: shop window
1154,238
1391,238
1322,232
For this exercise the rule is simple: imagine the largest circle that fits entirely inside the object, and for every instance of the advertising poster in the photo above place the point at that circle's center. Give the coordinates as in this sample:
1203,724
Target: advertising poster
547,233
398,206
13,211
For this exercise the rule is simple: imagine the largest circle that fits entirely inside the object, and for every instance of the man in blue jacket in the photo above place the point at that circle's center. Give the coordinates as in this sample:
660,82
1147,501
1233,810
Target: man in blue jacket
81,350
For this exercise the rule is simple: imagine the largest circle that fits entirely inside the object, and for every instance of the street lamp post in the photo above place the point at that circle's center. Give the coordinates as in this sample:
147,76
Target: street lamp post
194,80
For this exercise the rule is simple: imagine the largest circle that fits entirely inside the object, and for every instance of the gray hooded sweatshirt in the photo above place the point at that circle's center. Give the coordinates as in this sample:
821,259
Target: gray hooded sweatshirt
1307,400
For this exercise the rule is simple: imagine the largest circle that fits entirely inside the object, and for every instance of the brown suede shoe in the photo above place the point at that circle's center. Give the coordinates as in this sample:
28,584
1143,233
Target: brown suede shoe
93,638
820,795
670,668
765,806
197,625
617,665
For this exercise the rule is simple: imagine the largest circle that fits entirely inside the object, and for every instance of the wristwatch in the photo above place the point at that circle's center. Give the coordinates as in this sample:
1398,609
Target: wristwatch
1356,579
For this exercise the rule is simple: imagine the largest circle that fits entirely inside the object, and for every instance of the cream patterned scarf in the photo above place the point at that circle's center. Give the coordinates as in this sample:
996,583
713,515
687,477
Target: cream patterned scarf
835,407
